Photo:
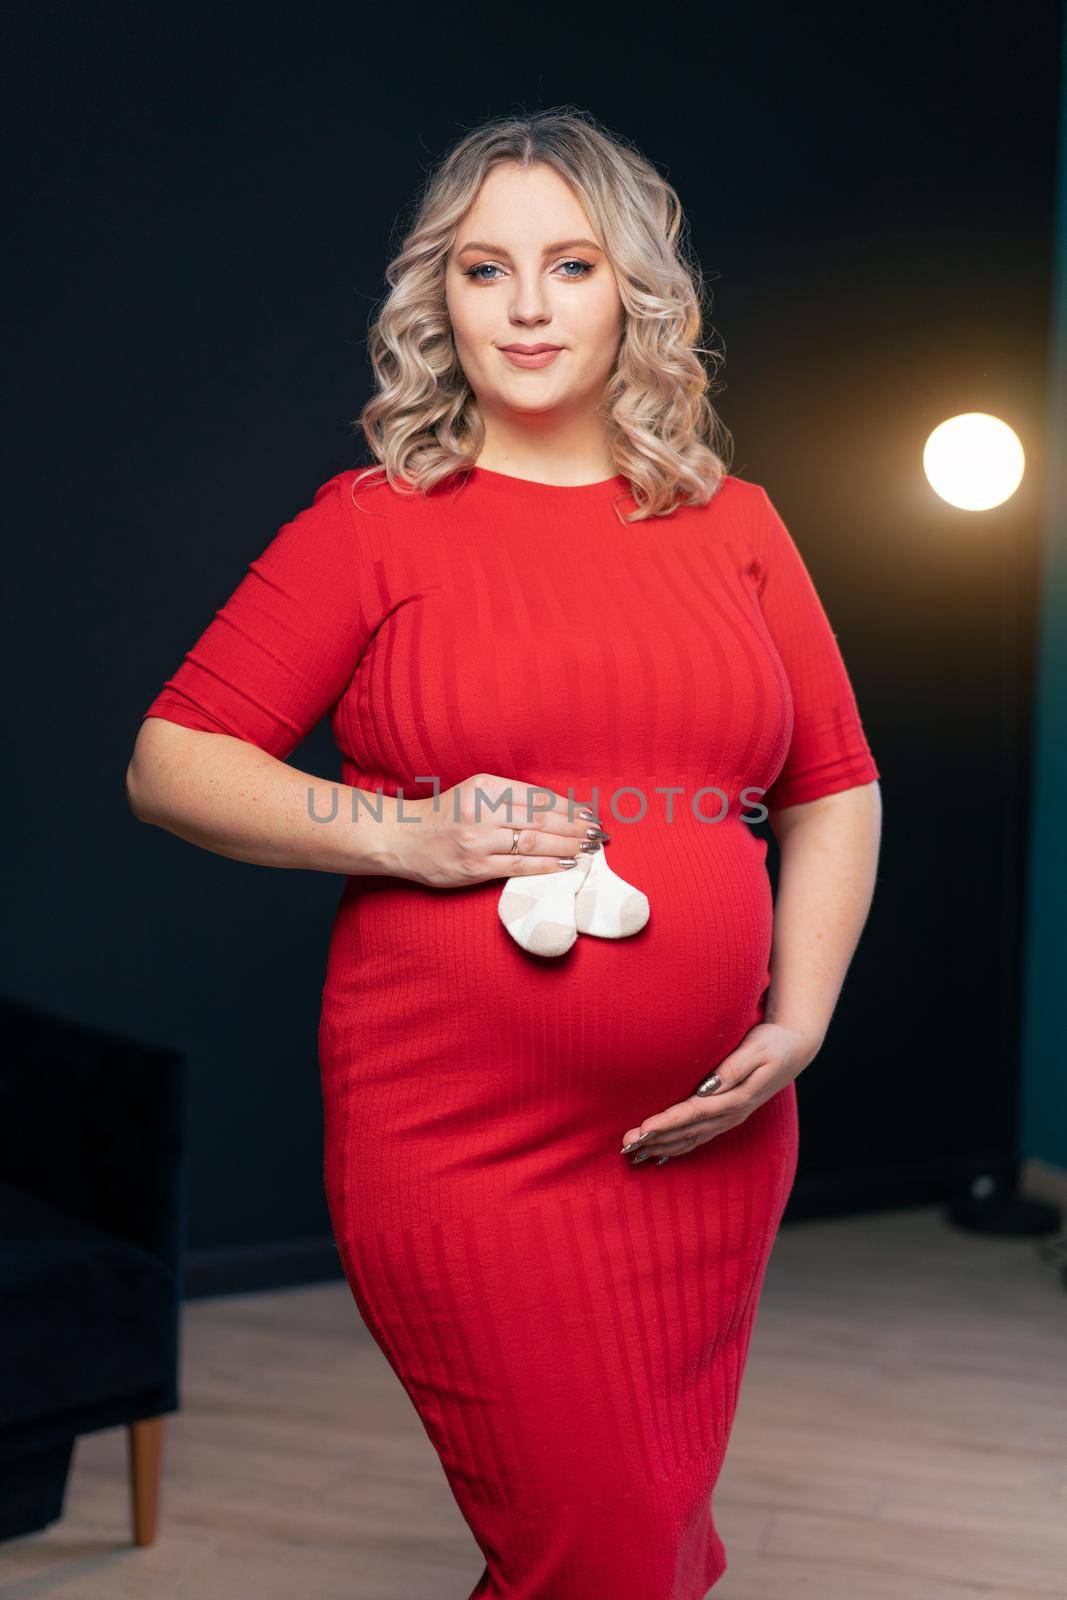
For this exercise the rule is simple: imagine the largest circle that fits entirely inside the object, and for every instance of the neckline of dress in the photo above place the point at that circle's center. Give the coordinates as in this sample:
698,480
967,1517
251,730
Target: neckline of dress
535,489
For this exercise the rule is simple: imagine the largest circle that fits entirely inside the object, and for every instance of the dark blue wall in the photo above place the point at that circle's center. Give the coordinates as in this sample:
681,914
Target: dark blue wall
1044,1131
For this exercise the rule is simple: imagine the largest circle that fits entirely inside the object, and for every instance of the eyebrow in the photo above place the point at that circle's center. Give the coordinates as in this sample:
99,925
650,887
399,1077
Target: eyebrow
549,250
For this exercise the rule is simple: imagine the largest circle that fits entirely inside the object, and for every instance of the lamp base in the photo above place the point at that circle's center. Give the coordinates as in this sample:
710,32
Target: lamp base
989,1205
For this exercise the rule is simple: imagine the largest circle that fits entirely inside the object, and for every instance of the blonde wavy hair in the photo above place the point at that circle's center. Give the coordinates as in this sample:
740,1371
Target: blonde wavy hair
423,423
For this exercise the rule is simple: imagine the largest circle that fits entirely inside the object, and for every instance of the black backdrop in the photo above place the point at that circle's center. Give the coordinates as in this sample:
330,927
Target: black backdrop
200,206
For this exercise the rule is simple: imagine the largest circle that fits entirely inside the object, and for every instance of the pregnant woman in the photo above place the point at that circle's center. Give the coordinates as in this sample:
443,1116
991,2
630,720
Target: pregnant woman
560,1118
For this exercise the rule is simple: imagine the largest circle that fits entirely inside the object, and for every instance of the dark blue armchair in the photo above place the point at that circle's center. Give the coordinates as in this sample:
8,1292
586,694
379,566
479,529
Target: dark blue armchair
92,1227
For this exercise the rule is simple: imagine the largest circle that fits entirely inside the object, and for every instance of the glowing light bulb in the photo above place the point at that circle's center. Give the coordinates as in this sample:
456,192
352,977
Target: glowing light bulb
974,461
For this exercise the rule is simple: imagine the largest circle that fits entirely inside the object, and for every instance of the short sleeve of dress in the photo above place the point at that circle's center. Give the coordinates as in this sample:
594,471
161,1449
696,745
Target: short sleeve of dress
828,751
283,648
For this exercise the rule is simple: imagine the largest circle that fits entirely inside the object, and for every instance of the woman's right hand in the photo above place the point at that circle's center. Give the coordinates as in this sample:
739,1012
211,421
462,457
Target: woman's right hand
465,834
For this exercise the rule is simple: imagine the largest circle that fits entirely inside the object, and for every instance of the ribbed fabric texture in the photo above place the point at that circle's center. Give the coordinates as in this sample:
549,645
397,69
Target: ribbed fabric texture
570,1329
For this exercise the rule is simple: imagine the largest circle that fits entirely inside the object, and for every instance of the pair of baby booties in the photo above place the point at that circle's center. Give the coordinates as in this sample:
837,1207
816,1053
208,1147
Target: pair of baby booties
546,911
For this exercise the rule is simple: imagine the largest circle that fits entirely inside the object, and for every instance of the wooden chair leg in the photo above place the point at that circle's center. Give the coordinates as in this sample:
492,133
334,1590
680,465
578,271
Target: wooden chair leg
145,1459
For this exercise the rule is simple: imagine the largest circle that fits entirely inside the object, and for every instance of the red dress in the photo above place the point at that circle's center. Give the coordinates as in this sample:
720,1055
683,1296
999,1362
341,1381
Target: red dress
570,1329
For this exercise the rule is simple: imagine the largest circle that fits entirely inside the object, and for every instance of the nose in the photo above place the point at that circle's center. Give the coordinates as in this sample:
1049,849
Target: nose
529,304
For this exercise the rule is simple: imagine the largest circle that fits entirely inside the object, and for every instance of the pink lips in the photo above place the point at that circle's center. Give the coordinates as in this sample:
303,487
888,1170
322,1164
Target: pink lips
530,355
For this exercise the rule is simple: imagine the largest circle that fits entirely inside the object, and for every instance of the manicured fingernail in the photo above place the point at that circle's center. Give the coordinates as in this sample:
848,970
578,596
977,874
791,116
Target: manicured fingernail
661,1160
637,1160
641,1137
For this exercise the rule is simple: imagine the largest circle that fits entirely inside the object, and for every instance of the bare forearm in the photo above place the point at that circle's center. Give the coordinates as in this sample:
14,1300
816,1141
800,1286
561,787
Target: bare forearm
236,800
828,861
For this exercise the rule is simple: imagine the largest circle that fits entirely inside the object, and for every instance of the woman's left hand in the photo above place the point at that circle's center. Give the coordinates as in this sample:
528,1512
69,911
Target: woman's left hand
768,1057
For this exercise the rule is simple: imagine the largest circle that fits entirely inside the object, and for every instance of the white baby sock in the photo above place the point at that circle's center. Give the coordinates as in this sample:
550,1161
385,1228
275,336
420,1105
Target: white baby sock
538,910
606,904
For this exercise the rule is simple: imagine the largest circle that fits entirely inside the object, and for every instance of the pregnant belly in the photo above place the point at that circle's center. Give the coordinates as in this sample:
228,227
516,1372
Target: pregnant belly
437,1023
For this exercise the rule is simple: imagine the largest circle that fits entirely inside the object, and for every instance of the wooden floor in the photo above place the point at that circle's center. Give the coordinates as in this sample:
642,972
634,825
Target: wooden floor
901,1435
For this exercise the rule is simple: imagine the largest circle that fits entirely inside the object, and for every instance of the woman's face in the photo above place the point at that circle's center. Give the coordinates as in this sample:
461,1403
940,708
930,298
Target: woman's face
527,268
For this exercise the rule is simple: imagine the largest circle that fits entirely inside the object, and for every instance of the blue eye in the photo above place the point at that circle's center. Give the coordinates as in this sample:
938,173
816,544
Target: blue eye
475,272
